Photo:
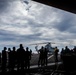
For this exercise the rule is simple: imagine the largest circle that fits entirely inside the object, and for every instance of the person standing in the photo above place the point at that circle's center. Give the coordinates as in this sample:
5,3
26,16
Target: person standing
20,57
4,59
56,54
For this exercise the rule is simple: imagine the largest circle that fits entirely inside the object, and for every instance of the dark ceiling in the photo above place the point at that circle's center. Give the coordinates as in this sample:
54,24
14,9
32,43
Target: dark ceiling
67,5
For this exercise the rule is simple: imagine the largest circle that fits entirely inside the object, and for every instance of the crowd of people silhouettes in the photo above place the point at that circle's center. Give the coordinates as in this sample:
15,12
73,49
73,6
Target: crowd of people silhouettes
43,53
20,58
68,57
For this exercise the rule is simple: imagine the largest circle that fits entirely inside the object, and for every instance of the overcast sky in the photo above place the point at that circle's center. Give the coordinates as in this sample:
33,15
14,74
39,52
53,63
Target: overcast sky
35,23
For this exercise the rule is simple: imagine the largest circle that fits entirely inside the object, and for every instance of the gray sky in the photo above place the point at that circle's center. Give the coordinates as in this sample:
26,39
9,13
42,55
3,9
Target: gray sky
39,24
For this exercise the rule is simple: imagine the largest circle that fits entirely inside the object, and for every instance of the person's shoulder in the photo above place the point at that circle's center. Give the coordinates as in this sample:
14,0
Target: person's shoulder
18,49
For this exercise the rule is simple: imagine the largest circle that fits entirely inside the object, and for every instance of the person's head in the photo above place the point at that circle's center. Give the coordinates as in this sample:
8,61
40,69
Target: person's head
21,45
5,48
62,49
56,47
66,47
42,47
14,48
27,48
9,49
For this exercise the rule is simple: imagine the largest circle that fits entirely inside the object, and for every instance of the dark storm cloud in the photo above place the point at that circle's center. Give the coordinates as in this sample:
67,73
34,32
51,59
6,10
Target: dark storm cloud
4,5
5,32
6,36
28,38
72,30
66,22
64,25
10,36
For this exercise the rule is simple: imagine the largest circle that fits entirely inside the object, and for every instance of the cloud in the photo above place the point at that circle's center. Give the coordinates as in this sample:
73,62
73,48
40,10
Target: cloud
65,23
38,24
3,5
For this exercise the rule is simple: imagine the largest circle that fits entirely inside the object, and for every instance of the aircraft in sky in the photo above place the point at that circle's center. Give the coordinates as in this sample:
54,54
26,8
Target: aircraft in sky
27,2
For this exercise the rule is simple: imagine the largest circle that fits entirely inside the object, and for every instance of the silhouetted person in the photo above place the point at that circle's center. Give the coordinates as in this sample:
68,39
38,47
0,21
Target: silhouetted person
74,49
14,58
41,57
30,53
67,50
62,53
56,54
20,57
4,59
9,59
0,58
45,56
27,58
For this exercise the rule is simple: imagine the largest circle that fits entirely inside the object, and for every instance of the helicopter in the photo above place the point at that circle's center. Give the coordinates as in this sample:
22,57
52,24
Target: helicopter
48,46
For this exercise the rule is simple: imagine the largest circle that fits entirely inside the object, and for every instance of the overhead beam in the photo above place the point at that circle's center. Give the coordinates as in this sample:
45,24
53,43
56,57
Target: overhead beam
67,5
